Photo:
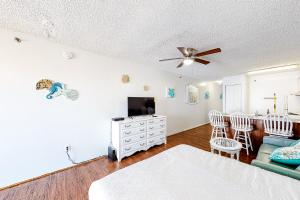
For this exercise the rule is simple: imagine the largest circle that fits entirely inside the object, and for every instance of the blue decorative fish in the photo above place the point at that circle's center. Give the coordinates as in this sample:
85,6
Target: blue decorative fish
171,92
54,89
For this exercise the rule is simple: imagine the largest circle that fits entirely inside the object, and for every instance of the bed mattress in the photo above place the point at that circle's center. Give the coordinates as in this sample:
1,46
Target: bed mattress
185,173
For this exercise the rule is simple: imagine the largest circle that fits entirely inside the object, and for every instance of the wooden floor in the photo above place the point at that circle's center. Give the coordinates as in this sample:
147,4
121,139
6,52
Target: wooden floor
73,183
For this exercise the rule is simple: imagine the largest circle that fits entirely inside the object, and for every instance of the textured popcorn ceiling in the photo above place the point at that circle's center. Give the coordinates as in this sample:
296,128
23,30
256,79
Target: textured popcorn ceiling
252,34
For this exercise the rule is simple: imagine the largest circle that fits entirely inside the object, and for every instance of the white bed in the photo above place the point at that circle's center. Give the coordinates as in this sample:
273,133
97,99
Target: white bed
184,172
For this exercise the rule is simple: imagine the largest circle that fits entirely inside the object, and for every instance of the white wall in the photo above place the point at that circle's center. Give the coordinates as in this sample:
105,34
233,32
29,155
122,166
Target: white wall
265,85
34,131
214,102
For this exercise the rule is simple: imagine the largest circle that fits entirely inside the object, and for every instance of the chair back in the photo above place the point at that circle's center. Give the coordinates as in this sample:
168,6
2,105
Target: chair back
240,121
278,125
216,118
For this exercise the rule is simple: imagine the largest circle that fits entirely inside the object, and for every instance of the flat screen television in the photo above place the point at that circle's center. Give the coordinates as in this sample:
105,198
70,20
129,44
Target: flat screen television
141,106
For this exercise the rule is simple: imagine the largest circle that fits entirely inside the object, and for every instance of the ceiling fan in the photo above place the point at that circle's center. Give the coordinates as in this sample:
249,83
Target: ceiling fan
191,55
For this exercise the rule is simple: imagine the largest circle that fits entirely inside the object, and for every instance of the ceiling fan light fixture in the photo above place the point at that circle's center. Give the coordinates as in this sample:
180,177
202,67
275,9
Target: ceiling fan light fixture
188,61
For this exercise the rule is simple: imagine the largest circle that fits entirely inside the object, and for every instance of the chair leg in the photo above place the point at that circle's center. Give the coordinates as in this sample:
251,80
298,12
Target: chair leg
238,155
216,132
246,141
250,142
234,137
224,129
212,132
238,136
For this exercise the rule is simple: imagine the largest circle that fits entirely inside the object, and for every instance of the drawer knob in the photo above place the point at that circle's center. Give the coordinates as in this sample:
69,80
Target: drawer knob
127,149
150,127
142,136
151,134
127,132
142,129
128,140
127,126
142,123
151,141
142,144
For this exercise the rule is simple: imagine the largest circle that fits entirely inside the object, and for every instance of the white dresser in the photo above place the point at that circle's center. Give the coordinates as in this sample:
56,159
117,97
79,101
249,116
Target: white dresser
137,134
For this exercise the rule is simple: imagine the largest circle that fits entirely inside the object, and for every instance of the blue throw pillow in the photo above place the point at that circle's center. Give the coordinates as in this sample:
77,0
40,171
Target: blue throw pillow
287,155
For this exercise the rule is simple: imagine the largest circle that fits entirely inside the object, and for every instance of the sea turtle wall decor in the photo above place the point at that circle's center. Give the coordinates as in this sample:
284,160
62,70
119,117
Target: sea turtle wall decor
56,89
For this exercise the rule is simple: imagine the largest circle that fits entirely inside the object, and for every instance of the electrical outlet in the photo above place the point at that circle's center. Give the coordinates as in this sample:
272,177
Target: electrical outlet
68,148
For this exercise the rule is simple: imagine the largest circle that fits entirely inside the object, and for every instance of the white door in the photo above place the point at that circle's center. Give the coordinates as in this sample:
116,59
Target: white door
233,98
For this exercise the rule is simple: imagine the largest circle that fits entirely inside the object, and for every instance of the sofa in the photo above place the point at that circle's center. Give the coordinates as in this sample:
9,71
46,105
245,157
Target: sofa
270,143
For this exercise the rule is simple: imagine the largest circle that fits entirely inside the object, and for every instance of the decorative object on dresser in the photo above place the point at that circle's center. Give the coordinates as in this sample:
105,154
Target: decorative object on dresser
138,134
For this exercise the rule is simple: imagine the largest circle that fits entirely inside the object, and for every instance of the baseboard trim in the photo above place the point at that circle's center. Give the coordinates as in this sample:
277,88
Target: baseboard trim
50,173
190,128
82,163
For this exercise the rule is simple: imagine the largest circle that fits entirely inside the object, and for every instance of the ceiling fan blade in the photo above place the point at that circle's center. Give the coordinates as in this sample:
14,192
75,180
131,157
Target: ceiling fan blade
191,51
180,65
170,59
212,51
184,51
205,62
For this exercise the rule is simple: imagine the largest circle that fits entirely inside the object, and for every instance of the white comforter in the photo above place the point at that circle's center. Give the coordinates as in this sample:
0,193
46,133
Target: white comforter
184,172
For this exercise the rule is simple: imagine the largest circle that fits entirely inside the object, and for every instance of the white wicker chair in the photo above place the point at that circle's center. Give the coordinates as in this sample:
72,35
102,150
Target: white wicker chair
241,125
278,125
218,125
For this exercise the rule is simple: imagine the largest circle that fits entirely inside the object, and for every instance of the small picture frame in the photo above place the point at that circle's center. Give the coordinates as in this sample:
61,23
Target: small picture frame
170,92
192,94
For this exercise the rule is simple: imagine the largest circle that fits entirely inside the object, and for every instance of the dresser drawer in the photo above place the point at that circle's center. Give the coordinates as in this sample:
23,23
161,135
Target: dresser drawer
156,140
156,121
133,131
134,138
131,125
156,126
134,147
155,133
